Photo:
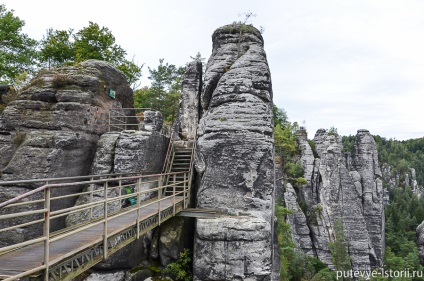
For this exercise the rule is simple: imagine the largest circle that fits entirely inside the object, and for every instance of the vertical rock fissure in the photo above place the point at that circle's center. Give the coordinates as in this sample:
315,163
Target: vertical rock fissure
235,159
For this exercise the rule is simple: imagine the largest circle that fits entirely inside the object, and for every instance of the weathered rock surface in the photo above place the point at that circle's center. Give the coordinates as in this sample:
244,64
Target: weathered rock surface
420,242
336,193
188,112
124,152
366,164
107,276
235,158
172,240
52,128
301,233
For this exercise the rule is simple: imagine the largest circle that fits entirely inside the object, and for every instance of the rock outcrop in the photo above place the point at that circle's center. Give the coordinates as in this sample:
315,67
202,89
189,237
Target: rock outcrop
188,112
52,128
339,189
420,242
125,152
235,159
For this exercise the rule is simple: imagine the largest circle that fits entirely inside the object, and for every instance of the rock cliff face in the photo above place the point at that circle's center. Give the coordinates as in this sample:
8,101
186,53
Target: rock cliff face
52,129
235,159
420,242
188,112
339,188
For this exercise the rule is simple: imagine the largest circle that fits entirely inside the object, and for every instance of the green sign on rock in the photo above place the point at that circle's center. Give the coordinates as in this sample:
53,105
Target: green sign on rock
112,93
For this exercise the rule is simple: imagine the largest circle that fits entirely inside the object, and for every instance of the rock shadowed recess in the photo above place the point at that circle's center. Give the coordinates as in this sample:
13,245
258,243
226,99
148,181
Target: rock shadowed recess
235,159
420,242
335,191
52,129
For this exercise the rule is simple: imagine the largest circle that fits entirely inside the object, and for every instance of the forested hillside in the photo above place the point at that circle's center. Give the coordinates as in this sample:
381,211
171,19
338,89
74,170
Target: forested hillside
403,213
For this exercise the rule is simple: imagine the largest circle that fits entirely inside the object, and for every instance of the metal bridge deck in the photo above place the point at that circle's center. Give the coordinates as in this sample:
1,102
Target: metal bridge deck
30,257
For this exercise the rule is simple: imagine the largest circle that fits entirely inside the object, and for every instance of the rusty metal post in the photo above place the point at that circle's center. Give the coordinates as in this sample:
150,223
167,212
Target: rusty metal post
185,191
159,196
138,206
91,198
105,221
173,193
46,231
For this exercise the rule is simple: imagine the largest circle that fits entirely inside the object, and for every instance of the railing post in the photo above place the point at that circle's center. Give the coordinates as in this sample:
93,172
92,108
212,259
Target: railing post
138,206
91,198
185,191
46,232
105,221
173,193
109,120
159,196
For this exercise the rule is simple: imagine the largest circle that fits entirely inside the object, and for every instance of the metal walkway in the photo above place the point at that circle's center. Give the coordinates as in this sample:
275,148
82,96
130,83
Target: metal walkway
111,212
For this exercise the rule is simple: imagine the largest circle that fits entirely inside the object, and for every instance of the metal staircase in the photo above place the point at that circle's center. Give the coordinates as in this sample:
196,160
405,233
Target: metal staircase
56,256
180,158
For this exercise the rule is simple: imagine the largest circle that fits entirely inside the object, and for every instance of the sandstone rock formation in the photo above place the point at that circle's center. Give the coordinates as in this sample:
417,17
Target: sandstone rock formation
340,188
188,112
52,129
235,158
420,242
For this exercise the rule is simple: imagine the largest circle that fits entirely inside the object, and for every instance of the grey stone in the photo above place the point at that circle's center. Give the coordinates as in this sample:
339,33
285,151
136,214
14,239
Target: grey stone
420,242
153,120
334,192
232,249
188,113
171,240
52,128
106,276
301,233
235,148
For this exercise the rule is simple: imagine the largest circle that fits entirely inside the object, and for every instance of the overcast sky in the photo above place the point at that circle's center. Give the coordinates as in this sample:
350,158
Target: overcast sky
343,63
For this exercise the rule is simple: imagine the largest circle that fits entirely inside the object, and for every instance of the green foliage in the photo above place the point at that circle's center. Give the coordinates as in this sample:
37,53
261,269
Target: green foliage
294,264
56,48
181,268
19,138
349,144
313,147
333,131
403,215
17,51
338,248
280,117
95,42
164,92
402,155
314,214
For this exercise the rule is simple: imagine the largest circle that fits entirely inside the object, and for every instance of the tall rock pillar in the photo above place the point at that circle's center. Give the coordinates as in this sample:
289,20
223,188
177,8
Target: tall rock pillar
235,160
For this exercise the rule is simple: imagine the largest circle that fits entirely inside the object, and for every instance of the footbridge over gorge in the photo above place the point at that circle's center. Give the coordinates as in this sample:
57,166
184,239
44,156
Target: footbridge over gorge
117,209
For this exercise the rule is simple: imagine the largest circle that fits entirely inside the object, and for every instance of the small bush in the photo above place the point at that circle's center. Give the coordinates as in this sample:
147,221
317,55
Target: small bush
19,138
61,80
181,268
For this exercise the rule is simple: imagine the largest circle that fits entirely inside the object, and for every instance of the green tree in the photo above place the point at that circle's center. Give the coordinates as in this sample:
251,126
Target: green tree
17,51
56,48
95,42
164,92
338,248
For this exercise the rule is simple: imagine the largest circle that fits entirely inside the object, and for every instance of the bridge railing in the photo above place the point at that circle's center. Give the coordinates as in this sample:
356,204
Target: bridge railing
41,211
130,119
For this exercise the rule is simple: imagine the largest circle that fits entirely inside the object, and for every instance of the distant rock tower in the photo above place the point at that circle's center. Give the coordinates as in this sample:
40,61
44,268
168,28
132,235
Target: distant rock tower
235,160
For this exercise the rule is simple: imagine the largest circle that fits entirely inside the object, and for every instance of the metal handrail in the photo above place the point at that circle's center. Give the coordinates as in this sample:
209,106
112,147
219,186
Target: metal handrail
70,178
105,186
